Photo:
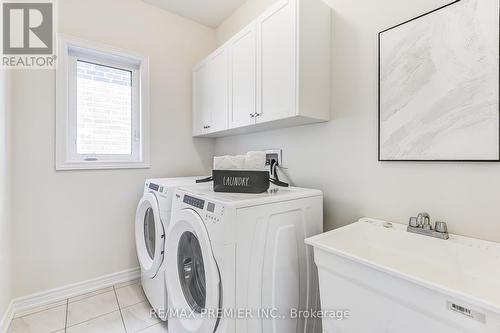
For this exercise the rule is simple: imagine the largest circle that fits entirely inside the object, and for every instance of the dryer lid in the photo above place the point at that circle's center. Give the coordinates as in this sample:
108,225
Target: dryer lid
149,235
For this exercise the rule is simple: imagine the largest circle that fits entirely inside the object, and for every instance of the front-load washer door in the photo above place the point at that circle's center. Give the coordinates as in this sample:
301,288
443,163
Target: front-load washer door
192,277
149,235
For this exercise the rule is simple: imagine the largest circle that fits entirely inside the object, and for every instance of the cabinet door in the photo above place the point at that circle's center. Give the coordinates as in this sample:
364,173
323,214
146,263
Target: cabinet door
277,62
218,88
242,82
201,99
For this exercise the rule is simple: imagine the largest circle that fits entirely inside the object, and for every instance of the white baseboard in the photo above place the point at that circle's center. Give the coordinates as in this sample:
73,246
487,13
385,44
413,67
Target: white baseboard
24,304
7,318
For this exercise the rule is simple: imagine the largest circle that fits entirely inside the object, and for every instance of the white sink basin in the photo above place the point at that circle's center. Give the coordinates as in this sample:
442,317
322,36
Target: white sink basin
388,277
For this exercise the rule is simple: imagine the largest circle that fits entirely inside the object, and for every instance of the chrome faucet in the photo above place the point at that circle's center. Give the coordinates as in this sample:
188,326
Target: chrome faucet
424,220
422,225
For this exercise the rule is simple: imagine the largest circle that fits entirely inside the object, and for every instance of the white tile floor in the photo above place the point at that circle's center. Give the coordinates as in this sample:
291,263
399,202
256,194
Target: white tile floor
122,308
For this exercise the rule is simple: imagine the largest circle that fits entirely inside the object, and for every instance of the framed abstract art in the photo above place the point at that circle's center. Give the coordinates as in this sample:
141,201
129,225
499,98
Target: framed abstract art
439,85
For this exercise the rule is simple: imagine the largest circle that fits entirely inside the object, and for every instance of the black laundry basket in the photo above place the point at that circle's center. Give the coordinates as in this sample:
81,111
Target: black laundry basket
242,181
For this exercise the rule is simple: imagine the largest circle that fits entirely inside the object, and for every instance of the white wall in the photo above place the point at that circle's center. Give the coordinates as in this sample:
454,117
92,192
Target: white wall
240,18
340,157
5,221
77,225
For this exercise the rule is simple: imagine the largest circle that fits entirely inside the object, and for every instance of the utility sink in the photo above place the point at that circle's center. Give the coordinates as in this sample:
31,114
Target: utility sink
391,280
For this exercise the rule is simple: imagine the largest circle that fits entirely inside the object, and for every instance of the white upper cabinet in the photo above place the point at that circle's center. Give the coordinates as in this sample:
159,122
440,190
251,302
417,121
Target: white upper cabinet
242,78
201,99
210,94
276,66
218,81
277,73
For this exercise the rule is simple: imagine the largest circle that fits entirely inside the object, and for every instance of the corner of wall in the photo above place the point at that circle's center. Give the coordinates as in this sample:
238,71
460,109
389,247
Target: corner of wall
240,18
6,262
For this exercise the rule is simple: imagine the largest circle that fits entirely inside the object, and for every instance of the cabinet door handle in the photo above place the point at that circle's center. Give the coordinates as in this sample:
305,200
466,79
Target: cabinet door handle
252,115
206,127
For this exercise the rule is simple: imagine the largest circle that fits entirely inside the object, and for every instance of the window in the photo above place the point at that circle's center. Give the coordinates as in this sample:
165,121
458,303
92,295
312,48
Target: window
103,110
102,107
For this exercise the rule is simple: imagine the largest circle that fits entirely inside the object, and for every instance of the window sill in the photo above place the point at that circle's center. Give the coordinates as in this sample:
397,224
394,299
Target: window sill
68,166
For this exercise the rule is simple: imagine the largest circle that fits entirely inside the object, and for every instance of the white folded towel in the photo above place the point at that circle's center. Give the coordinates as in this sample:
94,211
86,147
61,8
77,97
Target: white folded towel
229,162
253,160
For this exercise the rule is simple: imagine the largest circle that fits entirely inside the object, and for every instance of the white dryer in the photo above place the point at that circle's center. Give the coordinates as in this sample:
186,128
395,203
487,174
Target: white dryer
151,222
231,255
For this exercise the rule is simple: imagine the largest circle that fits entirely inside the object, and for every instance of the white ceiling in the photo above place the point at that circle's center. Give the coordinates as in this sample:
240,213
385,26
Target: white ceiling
208,12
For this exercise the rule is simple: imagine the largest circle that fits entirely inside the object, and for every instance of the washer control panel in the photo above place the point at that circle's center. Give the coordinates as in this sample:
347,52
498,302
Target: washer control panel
195,202
214,212
210,211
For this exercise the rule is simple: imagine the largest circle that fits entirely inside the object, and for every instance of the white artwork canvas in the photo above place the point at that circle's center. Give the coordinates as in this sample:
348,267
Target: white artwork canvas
439,85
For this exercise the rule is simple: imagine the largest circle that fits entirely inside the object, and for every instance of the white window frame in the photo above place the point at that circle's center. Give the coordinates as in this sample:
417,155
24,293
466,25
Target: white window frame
70,50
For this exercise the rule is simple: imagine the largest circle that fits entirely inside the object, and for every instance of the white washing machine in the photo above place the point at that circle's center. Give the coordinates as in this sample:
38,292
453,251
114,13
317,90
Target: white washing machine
231,255
151,222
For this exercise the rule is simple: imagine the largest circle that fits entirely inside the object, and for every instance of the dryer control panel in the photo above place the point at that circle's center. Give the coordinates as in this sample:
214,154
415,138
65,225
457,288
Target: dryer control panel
212,212
155,187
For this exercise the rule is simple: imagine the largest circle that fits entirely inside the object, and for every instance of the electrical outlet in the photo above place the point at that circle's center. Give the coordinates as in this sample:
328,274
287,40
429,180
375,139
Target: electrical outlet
274,154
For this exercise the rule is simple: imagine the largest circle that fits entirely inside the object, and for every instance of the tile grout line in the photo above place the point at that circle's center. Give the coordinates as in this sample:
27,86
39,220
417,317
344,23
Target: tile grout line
120,309
105,314
145,328
90,294
93,318
127,284
87,295
53,305
134,304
